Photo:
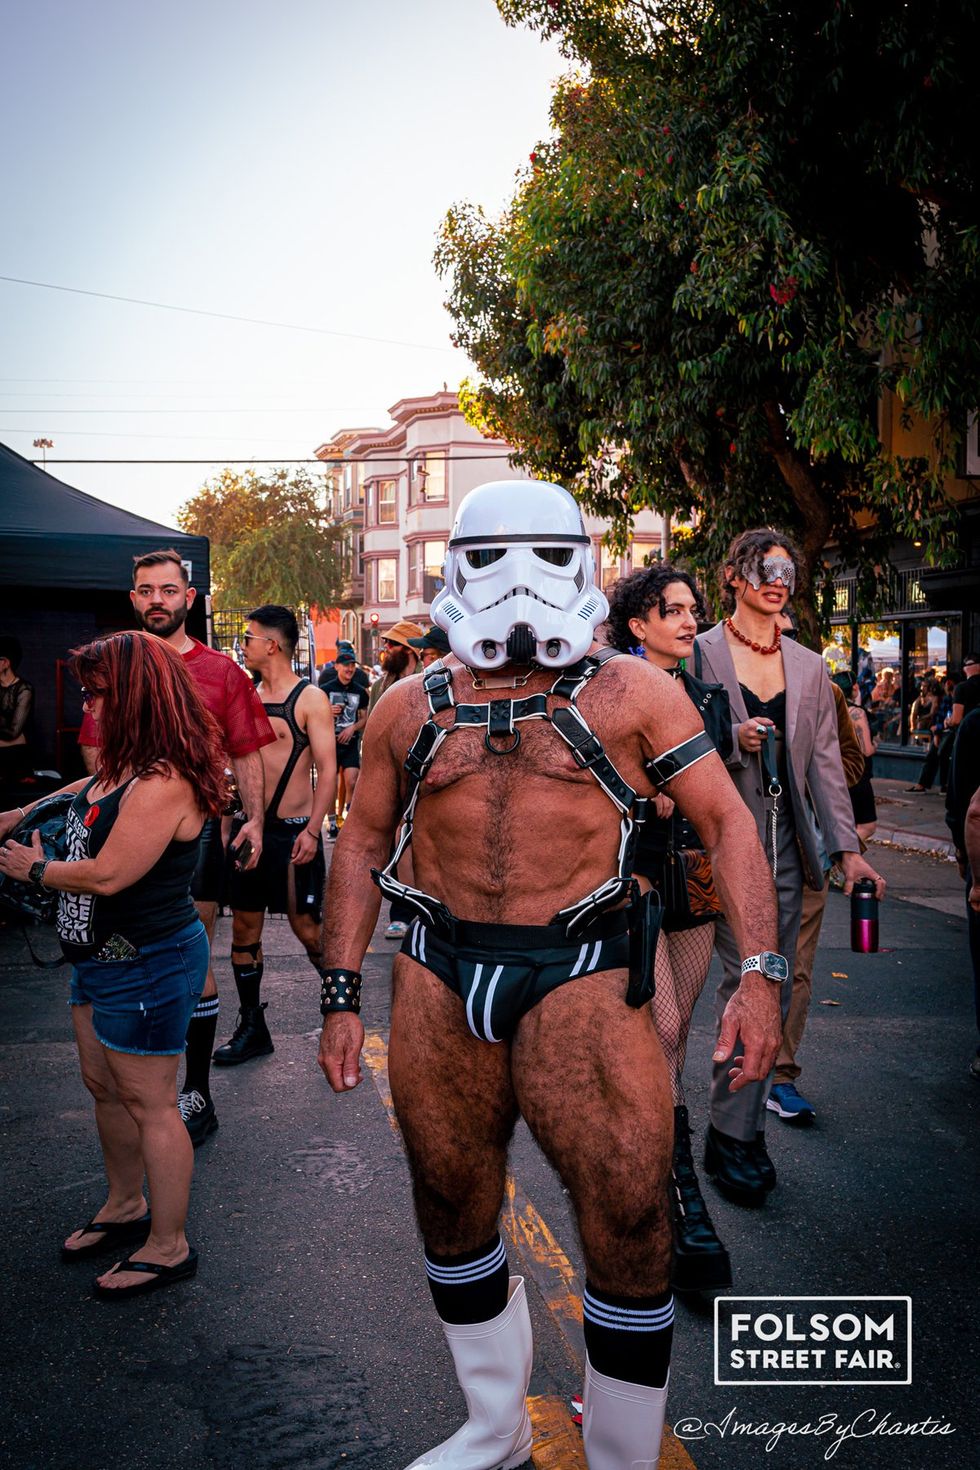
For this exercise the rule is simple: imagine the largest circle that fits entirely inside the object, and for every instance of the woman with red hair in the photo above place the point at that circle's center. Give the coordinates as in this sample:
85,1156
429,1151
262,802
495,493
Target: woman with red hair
140,953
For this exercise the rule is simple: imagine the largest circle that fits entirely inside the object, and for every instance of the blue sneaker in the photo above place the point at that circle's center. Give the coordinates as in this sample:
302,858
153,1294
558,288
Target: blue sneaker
792,1108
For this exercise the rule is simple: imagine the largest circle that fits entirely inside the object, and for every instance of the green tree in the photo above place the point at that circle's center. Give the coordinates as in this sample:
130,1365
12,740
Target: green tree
271,539
751,221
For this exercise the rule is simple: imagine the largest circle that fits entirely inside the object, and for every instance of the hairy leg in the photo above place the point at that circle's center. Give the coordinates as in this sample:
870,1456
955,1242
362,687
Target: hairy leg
591,1081
680,970
207,912
246,928
456,1109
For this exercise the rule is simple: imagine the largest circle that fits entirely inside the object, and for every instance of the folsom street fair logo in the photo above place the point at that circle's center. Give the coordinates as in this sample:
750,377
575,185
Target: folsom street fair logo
816,1340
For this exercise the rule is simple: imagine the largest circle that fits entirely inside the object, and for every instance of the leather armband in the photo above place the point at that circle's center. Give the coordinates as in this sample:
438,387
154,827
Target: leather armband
340,991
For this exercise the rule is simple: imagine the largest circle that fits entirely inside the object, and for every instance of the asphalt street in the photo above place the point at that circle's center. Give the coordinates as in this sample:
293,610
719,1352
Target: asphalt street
308,1338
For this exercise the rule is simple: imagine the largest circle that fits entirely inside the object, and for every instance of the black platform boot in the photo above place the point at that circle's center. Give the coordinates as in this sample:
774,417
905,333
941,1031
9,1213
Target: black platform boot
731,1164
251,1038
700,1260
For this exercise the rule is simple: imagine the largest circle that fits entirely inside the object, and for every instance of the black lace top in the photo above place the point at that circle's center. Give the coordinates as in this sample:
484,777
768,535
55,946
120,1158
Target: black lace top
16,701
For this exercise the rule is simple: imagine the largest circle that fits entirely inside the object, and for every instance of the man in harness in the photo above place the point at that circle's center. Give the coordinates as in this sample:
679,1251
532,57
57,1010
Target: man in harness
518,769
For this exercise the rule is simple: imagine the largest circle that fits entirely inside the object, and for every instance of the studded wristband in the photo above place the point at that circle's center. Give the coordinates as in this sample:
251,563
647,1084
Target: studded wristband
340,991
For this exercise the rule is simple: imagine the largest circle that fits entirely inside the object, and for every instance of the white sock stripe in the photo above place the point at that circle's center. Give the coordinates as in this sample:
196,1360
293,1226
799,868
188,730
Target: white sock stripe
207,1007
471,1271
627,1319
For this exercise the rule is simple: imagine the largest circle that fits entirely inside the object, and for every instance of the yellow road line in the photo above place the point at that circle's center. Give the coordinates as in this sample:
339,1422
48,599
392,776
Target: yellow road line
557,1441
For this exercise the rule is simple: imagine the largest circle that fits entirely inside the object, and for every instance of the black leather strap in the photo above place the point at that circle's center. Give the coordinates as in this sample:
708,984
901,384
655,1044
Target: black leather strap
665,767
438,685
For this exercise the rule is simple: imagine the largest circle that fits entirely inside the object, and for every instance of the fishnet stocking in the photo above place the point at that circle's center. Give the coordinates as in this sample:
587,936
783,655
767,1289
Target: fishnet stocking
680,969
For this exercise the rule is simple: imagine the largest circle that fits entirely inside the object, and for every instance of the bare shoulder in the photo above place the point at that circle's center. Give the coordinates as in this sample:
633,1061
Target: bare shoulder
399,713
634,699
312,699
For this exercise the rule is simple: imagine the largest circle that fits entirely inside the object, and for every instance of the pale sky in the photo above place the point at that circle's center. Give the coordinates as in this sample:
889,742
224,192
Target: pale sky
287,161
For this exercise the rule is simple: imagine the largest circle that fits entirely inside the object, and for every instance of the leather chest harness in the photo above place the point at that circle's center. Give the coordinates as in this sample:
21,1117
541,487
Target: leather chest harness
500,718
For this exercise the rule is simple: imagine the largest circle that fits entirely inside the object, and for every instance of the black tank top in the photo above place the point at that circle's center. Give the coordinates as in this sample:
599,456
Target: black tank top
156,905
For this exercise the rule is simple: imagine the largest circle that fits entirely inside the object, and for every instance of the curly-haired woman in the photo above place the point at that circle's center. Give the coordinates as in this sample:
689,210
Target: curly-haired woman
655,613
140,953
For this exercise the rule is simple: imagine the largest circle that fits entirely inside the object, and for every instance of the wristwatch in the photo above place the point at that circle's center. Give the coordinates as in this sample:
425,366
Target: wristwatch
772,966
35,873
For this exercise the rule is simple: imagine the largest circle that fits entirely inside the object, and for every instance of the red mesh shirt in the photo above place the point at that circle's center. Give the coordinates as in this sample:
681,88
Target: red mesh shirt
227,692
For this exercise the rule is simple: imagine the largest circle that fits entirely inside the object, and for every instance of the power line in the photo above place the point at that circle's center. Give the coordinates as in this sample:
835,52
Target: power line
225,316
340,460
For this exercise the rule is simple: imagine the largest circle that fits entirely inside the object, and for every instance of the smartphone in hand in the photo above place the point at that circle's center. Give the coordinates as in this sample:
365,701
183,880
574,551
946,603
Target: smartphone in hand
242,854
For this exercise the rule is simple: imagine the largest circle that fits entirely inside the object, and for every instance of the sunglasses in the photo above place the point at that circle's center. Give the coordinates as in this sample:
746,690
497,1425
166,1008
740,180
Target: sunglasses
262,637
774,569
89,694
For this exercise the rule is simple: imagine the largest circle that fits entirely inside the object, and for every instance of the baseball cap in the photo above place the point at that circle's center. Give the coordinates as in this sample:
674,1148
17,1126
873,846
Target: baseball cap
344,656
402,632
434,638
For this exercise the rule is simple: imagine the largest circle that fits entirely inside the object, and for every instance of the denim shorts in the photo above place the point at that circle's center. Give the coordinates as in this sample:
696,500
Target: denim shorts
143,1006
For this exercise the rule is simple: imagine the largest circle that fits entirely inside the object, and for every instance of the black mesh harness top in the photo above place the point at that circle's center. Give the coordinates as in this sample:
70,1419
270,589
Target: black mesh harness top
500,719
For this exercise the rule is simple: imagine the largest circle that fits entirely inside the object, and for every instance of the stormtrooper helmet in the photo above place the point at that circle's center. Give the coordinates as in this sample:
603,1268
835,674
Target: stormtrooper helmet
519,578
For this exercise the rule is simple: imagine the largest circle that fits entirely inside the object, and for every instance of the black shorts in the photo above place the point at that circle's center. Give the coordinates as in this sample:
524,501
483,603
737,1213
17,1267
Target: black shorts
349,755
208,882
265,888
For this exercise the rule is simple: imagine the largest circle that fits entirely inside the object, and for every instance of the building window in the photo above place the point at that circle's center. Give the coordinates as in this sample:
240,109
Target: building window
643,553
348,485
428,479
425,559
608,567
386,502
387,572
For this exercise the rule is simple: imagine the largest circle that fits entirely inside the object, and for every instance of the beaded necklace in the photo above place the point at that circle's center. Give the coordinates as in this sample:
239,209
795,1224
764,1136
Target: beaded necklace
750,643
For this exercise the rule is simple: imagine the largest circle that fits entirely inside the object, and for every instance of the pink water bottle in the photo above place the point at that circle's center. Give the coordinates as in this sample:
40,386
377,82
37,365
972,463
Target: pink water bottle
864,918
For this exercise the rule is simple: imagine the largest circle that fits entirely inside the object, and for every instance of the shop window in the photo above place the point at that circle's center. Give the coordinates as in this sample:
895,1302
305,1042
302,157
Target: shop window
901,666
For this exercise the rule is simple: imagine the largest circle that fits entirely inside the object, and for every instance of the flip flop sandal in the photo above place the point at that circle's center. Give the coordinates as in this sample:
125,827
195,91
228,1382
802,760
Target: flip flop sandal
113,1233
159,1276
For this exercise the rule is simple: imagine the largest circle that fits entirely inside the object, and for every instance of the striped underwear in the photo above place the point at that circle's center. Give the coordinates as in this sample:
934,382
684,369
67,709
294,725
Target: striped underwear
499,971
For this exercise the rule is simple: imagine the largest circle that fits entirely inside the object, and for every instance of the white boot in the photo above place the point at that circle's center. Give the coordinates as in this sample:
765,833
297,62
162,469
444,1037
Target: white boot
493,1366
621,1422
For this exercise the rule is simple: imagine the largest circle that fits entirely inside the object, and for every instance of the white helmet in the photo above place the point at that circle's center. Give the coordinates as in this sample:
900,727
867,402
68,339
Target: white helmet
519,578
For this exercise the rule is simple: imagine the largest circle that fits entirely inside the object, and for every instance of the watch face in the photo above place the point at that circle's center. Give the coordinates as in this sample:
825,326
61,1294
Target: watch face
774,966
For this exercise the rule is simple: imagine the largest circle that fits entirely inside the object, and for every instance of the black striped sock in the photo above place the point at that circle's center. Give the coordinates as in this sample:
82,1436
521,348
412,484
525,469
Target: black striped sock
200,1045
629,1338
471,1287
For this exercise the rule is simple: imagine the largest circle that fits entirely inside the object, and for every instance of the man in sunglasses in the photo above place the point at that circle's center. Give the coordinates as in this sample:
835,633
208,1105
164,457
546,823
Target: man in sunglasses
162,597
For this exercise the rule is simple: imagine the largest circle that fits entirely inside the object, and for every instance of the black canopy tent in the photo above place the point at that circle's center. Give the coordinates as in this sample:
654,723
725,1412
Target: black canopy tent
66,563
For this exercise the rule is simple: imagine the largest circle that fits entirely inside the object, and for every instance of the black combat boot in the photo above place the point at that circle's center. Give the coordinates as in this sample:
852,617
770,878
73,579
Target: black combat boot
700,1260
251,1038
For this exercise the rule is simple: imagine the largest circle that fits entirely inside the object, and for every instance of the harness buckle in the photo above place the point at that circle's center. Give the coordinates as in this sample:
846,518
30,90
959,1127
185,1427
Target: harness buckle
587,751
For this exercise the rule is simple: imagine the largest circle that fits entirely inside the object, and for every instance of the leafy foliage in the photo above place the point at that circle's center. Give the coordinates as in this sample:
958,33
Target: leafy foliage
271,540
751,223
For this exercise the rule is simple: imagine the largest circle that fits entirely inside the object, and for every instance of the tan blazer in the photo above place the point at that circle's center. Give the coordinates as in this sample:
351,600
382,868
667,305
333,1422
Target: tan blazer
818,790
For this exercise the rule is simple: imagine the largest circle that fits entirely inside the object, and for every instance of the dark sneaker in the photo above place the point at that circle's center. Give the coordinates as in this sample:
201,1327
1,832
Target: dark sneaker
785,1101
198,1115
333,832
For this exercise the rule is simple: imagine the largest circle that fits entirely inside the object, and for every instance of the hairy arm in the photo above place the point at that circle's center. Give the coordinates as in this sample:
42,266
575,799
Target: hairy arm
706,795
315,706
250,778
352,901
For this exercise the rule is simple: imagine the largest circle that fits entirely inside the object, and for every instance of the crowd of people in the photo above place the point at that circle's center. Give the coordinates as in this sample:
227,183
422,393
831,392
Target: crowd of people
537,743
